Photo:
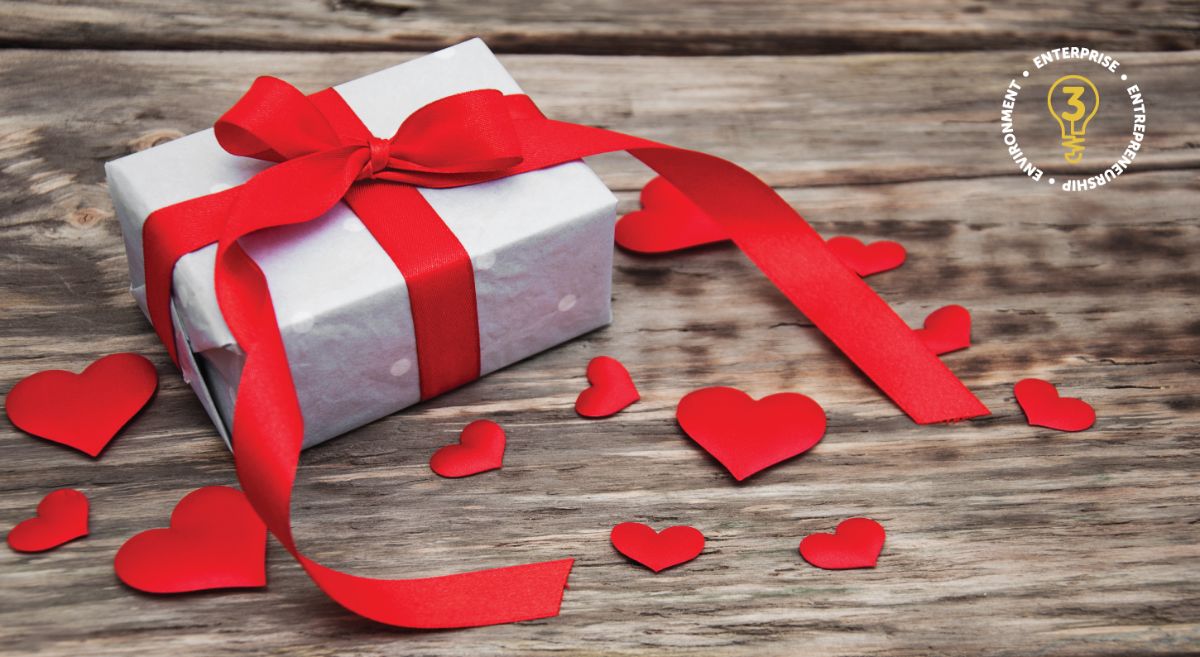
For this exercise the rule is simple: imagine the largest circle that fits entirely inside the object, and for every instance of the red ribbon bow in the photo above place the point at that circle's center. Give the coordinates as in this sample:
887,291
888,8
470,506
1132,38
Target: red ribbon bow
458,140
327,155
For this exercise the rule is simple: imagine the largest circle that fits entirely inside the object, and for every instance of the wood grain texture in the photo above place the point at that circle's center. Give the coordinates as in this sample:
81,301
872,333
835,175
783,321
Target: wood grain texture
672,27
1003,539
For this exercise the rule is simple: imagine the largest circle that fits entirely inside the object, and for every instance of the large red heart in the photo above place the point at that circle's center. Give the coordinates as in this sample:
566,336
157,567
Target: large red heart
480,448
215,541
946,329
85,410
867,259
668,221
747,435
61,516
657,550
611,391
855,543
1044,408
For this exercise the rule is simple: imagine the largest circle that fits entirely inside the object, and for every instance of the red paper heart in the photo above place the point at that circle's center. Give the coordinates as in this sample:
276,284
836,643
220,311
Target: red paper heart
85,410
611,391
667,221
855,543
867,259
657,550
747,435
946,329
62,516
480,448
215,541
1044,408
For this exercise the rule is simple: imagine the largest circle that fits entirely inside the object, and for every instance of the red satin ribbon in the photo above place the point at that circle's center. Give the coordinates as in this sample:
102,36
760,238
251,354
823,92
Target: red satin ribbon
326,155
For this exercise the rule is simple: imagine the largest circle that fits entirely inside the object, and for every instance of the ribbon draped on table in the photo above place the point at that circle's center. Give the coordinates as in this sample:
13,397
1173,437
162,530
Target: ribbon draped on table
326,155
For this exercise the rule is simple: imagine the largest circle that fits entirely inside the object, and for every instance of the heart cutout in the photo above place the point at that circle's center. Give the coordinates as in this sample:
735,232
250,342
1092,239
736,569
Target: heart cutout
657,550
668,221
215,541
855,543
611,391
868,259
480,448
83,411
745,435
946,329
1045,408
61,516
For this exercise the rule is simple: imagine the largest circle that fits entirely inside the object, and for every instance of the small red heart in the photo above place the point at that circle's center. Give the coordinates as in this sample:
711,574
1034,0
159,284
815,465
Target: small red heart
62,516
657,550
215,541
668,221
855,543
946,329
85,410
1044,408
480,448
867,259
747,435
611,391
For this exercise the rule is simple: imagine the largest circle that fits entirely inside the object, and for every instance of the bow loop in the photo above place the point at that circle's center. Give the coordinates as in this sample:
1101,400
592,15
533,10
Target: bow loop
470,132
274,121
461,139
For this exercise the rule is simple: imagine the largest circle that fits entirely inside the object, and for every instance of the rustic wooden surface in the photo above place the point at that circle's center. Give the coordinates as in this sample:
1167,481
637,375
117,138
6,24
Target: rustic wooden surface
620,27
1003,539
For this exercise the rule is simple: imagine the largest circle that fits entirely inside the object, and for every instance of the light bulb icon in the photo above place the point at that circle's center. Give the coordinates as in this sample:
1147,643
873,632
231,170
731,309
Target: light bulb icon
1073,100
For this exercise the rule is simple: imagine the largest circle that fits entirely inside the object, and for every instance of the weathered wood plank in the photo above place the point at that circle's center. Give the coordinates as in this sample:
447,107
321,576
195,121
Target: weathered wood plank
794,121
604,27
1003,539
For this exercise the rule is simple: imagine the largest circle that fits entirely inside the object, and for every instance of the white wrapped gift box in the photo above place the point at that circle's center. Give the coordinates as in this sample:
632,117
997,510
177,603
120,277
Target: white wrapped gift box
540,243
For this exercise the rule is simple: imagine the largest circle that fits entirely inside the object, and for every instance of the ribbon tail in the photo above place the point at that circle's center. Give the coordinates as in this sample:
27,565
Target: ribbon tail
473,599
796,260
268,434
268,431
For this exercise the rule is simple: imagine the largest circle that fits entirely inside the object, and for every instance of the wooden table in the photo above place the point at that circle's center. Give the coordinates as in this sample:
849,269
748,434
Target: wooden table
875,119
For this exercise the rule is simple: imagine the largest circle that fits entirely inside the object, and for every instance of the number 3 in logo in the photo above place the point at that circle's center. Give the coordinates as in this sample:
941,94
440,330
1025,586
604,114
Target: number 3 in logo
1071,110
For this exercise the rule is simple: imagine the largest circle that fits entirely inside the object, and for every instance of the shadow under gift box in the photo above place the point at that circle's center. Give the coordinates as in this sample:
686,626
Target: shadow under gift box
541,245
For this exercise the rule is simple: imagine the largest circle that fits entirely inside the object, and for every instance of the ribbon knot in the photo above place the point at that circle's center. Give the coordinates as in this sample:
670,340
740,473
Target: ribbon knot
381,154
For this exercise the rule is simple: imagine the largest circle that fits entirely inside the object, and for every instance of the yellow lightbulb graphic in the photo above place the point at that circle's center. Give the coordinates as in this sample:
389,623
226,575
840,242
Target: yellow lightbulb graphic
1070,108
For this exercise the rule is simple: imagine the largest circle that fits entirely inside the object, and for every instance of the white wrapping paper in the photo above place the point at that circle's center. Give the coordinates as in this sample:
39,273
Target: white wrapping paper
540,242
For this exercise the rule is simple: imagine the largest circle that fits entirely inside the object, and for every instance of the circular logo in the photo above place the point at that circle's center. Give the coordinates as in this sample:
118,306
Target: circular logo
1091,127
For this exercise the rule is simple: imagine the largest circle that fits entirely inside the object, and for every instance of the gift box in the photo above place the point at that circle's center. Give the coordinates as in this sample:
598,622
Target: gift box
540,245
